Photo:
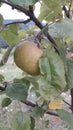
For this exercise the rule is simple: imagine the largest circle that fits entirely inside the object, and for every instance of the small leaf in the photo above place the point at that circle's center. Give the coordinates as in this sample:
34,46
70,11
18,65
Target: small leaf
37,112
21,121
6,101
17,91
67,117
46,123
56,104
1,78
32,125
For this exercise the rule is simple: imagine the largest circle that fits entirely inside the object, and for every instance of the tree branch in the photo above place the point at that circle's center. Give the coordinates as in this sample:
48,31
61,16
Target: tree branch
28,103
20,8
30,13
17,22
2,88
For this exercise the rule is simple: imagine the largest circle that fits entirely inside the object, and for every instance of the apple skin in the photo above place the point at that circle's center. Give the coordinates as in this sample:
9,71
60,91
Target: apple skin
26,57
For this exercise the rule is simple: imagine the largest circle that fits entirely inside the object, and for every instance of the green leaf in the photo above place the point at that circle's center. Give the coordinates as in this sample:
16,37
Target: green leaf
32,125
1,77
37,112
24,2
45,67
69,73
62,29
50,10
44,12
22,80
10,34
33,80
46,90
17,91
67,117
57,70
52,82
1,22
21,121
47,123
5,102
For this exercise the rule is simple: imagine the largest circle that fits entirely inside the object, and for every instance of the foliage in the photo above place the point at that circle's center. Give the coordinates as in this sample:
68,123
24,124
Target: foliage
56,65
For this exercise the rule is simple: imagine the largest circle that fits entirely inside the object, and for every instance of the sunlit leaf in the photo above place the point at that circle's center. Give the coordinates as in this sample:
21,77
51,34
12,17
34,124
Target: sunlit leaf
55,104
50,10
17,91
44,12
10,34
67,117
20,121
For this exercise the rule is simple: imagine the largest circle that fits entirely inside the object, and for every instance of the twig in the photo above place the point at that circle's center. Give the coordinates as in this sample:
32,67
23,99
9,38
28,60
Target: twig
67,13
30,13
2,88
17,22
28,103
67,103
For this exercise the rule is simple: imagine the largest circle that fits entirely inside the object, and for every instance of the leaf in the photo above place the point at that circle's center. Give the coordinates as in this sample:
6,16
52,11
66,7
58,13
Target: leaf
67,117
32,125
69,73
1,77
45,67
46,90
44,12
50,10
17,91
46,123
6,101
57,70
55,104
10,34
37,111
6,55
24,2
62,29
1,22
20,121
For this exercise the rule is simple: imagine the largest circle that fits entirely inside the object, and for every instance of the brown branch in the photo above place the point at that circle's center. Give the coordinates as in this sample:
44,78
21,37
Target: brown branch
28,103
52,113
17,22
30,13
2,88
20,8
67,13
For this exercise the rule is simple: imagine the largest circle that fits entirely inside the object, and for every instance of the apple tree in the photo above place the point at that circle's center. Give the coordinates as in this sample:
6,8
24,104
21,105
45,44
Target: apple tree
55,38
